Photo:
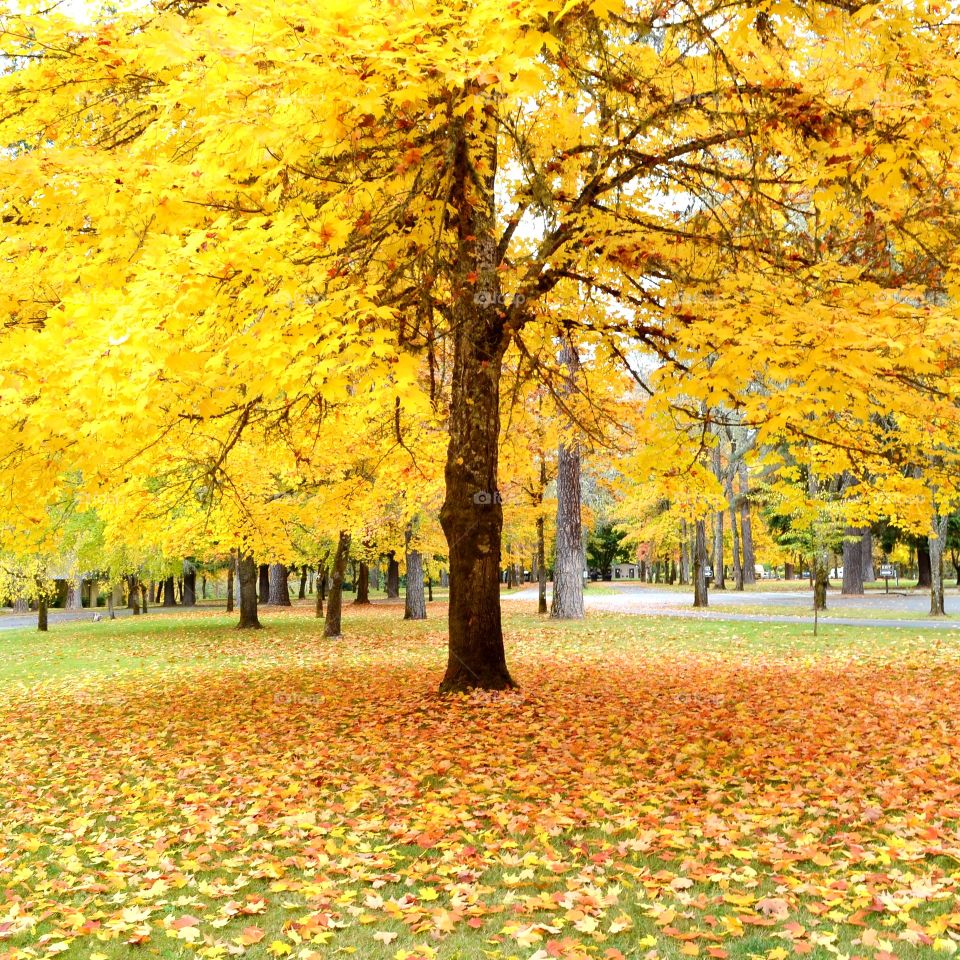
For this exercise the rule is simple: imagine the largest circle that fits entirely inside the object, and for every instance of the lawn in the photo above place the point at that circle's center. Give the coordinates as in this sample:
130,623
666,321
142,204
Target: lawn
170,787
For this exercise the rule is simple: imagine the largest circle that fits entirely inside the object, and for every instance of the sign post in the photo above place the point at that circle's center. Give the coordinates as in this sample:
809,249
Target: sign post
887,571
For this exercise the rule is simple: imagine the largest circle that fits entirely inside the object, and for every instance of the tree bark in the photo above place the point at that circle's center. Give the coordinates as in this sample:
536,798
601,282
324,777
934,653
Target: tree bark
738,575
42,613
541,568
684,555
819,573
143,597
264,582
937,543
189,585
852,562
415,604
302,594
363,584
247,569
169,592
472,513
278,594
866,550
74,594
332,625
700,598
231,572
746,528
320,581
393,577
133,599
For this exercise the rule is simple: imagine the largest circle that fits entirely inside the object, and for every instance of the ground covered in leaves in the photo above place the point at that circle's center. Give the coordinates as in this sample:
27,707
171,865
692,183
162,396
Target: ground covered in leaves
656,788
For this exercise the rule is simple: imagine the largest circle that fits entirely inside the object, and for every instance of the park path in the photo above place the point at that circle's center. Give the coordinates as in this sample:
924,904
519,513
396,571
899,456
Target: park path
649,601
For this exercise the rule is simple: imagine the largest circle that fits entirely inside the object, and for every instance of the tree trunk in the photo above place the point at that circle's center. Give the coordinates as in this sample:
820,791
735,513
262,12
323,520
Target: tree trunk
924,578
42,613
264,582
684,555
819,573
789,571
700,598
278,593
430,589
190,587
852,562
302,595
169,592
937,543
393,577
247,569
331,627
866,550
363,584
746,528
472,513
143,597
415,607
231,572
320,582
110,610
719,581
738,576
133,594
541,568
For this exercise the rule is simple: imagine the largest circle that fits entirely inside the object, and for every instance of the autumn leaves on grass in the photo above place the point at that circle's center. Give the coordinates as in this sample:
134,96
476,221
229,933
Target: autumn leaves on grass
309,799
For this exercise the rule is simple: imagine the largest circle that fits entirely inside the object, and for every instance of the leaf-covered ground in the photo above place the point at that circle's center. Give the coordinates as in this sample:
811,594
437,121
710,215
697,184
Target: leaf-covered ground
171,787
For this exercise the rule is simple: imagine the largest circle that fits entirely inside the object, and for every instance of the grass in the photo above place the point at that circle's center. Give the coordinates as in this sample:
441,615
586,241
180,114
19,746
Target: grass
171,787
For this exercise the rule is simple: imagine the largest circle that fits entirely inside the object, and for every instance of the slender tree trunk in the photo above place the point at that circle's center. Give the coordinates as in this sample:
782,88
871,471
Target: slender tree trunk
738,576
700,598
264,582
415,606
133,600
110,610
320,583
820,574
541,567
203,586
302,595
143,597
684,555
278,594
746,528
719,574
937,542
332,626
247,569
852,562
74,594
231,572
363,584
169,592
393,577
42,613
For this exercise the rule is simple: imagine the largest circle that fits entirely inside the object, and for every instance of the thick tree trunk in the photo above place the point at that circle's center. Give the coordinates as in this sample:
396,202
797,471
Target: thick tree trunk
819,573
231,573
169,592
190,587
852,562
264,582
415,606
332,626
42,613
924,578
746,528
133,595
247,569
302,594
866,550
279,592
363,584
937,543
393,577
472,513
700,598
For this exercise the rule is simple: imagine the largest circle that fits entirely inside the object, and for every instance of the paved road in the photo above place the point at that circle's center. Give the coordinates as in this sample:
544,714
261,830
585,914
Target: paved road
643,600
17,621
